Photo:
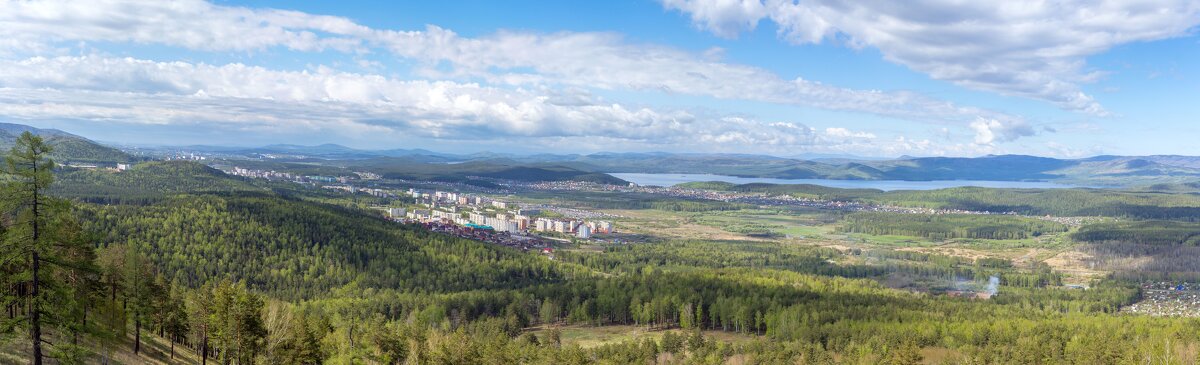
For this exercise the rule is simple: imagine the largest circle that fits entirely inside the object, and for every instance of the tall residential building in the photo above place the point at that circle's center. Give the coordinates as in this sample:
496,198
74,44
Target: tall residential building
396,212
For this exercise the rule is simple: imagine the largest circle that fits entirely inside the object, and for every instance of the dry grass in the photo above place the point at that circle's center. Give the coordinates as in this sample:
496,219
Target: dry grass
1075,265
593,336
154,351
667,225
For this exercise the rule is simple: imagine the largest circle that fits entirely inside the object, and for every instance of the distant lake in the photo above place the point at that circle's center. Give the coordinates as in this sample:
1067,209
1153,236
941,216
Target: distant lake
886,185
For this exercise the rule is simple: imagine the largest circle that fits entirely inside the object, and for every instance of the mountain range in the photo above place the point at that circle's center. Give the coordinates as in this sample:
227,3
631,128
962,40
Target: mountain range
1093,171
1104,170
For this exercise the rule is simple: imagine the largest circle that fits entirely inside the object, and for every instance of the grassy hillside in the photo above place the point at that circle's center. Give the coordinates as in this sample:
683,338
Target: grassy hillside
155,351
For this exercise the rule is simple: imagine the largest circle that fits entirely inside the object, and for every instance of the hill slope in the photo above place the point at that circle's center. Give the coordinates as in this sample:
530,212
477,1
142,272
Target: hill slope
202,225
149,180
67,147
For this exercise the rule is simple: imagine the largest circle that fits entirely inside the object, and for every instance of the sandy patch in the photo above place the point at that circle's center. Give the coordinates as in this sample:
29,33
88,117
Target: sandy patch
1074,263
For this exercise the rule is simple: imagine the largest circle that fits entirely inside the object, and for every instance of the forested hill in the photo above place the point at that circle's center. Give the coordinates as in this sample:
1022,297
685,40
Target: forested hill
296,249
147,181
67,147
200,225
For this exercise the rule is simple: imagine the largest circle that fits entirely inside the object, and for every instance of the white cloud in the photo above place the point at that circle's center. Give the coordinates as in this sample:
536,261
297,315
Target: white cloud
604,61
190,24
726,18
846,133
528,88
1028,48
237,96
519,59
989,131
249,99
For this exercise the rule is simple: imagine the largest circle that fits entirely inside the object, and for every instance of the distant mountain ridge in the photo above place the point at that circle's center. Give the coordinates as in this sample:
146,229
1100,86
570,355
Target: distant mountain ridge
1106,170
68,148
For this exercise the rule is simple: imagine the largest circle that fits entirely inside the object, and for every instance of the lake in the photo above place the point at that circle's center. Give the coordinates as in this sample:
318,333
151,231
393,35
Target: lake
886,185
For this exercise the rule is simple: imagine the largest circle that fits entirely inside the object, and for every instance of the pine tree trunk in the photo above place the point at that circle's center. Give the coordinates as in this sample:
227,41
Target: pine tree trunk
137,336
35,318
35,326
85,312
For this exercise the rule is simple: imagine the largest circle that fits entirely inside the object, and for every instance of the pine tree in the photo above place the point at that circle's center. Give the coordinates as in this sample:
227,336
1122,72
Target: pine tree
200,313
175,318
142,293
42,254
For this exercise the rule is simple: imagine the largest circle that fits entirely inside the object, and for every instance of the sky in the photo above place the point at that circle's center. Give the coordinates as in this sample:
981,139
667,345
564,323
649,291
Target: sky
870,78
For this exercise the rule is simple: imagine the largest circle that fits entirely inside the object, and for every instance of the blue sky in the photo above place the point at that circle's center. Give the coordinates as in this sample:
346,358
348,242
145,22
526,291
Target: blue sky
925,78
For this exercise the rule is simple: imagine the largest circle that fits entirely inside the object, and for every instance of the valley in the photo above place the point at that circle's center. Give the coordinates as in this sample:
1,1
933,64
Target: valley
646,182
700,270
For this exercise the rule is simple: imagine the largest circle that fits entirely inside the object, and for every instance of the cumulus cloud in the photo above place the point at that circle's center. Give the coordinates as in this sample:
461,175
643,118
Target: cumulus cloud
566,59
1028,48
989,131
191,24
846,133
244,98
603,60
254,98
506,84
726,18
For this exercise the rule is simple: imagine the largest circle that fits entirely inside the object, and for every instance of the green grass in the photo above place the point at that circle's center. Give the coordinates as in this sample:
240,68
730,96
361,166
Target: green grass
808,232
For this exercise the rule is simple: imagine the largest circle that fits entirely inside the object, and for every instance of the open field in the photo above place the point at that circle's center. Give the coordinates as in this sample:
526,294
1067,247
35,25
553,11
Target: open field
593,336
672,225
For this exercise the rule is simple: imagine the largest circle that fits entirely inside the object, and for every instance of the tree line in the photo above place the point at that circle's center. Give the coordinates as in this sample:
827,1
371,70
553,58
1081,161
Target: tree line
948,226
